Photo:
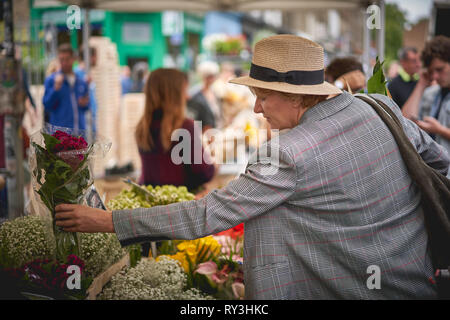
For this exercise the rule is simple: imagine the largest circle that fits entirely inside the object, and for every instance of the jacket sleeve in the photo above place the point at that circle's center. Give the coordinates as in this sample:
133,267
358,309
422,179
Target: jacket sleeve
266,183
51,96
431,152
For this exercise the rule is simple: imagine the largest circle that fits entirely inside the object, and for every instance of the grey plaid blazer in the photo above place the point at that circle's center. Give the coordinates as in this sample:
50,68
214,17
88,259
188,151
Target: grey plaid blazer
340,202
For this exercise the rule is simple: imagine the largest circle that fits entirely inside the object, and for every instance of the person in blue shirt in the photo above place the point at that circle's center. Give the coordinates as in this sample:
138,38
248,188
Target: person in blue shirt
66,96
80,71
125,80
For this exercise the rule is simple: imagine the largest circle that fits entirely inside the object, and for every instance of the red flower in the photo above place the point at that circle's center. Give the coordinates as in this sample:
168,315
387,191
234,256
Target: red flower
235,232
69,143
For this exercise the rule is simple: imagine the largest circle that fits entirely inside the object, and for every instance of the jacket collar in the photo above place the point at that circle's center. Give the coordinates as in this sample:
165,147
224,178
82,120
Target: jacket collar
327,108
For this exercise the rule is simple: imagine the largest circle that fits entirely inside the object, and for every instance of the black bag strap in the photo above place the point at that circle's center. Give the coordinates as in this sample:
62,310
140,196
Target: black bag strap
434,187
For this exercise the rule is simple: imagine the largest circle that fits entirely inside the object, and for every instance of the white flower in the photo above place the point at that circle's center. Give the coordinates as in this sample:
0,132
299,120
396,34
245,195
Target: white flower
25,239
151,280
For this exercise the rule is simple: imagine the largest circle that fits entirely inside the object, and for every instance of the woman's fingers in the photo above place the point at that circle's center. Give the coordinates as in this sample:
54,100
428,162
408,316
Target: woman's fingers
66,207
66,223
65,215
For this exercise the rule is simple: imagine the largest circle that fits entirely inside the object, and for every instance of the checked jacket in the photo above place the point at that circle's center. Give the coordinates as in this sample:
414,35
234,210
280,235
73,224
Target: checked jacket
339,213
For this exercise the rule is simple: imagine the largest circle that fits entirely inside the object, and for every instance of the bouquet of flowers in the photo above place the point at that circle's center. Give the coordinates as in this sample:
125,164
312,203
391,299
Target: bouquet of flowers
60,174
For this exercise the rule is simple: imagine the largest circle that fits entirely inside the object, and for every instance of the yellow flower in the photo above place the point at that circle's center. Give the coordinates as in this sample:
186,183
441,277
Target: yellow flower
180,257
196,251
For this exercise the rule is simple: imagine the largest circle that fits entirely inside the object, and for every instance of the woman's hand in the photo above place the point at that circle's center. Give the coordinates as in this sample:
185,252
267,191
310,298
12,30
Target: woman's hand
78,218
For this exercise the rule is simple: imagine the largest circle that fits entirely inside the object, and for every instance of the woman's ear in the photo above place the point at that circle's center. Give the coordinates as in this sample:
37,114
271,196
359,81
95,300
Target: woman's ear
297,102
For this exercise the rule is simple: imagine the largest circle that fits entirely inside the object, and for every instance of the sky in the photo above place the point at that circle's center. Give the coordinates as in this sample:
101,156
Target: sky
415,9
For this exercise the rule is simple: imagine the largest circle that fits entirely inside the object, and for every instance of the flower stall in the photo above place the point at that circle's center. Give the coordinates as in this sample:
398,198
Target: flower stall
39,256
211,266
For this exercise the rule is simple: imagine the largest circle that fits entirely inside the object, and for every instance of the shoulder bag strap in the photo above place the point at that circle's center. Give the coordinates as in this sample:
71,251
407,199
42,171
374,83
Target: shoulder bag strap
434,187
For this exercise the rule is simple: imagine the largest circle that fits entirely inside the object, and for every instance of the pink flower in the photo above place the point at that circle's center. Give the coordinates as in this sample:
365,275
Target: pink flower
207,268
219,278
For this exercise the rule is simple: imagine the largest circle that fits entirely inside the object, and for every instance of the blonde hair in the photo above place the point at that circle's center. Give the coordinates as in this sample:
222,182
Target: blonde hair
164,89
305,100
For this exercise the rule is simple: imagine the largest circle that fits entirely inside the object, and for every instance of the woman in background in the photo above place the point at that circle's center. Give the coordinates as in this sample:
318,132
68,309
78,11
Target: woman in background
165,105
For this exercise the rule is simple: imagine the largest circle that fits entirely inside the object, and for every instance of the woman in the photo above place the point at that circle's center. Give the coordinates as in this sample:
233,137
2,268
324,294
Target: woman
204,105
165,104
346,73
336,204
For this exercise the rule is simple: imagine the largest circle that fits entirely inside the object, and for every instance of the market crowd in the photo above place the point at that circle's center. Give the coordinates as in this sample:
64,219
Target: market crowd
341,199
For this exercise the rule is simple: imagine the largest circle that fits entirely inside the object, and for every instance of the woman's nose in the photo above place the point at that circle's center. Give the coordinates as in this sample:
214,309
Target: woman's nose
257,108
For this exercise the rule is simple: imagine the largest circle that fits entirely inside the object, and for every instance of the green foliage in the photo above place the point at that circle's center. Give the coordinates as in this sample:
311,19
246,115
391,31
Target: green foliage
149,196
228,47
377,83
394,27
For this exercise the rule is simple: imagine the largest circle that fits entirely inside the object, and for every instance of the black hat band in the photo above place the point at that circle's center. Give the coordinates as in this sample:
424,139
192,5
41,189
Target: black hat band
297,77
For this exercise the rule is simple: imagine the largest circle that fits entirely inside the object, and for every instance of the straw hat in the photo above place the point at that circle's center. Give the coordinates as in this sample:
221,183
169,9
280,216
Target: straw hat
288,63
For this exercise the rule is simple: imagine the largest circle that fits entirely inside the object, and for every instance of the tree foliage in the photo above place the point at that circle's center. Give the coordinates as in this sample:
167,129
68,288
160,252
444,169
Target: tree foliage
394,27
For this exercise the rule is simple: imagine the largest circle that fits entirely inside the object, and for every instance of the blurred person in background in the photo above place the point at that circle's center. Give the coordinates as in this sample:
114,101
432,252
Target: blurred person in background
138,77
233,98
429,105
204,106
66,96
53,66
392,70
346,73
80,70
226,74
125,80
404,83
165,105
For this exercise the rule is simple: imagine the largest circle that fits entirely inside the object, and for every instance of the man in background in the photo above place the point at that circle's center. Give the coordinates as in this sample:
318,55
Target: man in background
429,106
404,83
66,96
